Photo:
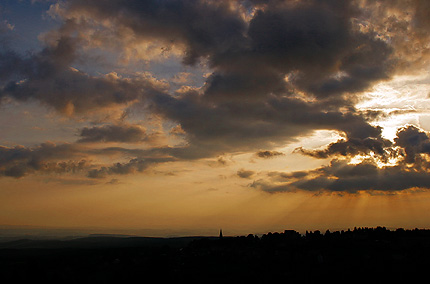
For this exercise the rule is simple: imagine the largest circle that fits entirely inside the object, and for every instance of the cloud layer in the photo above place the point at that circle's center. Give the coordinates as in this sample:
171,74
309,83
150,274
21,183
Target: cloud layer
279,70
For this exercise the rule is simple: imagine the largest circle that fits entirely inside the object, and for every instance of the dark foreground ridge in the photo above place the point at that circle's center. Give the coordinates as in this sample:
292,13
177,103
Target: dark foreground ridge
361,254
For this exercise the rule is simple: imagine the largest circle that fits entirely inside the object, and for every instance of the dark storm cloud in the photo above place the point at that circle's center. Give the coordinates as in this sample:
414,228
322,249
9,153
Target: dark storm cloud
204,27
114,133
315,39
298,37
413,141
232,126
243,84
247,102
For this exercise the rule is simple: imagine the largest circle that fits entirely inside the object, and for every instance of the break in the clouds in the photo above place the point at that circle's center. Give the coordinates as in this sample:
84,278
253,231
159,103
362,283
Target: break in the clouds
274,71
410,155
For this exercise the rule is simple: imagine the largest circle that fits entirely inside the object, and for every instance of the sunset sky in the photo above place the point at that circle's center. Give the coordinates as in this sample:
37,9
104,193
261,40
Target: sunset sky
183,117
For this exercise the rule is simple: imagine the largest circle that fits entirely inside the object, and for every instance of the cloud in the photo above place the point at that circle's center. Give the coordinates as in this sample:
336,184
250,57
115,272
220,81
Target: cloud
133,166
113,181
351,147
73,158
313,43
232,126
414,142
409,168
199,26
5,26
269,187
247,98
124,133
268,154
279,70
219,162
48,157
340,176
251,58
409,143
245,173
47,77
403,24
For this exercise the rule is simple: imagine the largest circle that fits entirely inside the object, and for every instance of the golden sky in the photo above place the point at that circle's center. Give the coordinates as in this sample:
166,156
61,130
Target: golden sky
184,117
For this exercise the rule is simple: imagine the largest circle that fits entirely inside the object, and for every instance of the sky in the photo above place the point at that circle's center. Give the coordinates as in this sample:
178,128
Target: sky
185,117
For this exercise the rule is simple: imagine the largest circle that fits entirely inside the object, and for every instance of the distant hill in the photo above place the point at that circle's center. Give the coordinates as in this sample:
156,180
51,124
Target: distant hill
99,241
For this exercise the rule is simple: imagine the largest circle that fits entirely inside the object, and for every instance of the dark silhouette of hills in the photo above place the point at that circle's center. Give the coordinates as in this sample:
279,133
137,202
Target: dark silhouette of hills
358,255
98,241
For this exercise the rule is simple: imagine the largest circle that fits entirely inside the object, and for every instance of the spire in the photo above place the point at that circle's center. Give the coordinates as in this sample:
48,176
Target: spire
220,233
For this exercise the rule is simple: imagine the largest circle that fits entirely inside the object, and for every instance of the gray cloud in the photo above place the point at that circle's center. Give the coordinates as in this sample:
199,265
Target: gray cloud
114,133
133,166
313,40
339,176
204,27
352,147
245,173
19,161
47,77
49,158
268,154
413,141
234,126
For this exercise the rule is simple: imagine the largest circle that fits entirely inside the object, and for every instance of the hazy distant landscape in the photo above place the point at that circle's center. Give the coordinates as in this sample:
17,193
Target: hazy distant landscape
9,233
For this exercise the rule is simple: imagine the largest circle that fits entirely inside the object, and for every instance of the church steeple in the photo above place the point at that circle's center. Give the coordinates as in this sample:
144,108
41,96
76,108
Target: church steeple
220,233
